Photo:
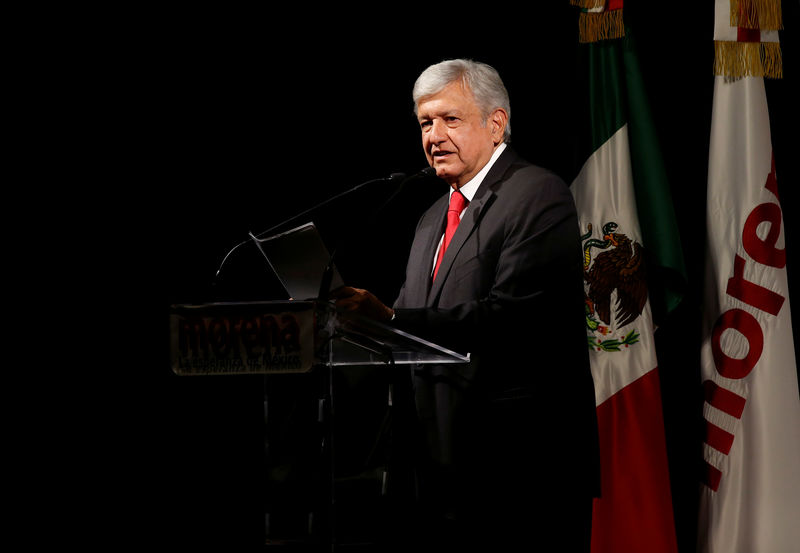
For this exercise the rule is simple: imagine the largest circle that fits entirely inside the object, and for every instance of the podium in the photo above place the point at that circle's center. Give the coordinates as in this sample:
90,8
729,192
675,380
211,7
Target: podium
338,409
278,337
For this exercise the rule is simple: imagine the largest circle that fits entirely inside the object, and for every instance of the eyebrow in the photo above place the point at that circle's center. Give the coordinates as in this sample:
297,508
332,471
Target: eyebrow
456,112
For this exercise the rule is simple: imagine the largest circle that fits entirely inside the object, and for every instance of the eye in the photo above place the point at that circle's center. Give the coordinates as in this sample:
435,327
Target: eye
425,124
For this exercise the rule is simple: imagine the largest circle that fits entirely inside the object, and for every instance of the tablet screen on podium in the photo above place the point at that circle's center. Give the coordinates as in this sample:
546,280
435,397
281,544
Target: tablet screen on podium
299,257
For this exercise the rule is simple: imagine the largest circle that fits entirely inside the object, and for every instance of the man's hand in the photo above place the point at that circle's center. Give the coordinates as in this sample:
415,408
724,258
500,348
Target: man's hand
362,302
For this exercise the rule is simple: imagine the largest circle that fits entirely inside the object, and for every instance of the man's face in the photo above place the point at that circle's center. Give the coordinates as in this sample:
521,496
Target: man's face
456,141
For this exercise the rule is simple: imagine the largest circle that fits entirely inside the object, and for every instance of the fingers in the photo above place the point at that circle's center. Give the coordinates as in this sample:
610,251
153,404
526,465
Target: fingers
347,295
361,301
341,292
349,298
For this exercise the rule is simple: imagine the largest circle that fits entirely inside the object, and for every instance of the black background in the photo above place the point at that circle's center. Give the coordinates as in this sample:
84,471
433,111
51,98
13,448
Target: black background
217,122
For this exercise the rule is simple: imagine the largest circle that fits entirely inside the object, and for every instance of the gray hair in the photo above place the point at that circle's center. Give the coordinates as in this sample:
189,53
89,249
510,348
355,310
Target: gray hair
482,80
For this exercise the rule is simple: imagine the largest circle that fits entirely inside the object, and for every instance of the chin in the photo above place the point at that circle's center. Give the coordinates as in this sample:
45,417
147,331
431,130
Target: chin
444,172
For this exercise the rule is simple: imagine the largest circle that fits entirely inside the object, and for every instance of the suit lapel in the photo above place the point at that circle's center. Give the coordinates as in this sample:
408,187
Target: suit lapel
472,216
420,263
468,223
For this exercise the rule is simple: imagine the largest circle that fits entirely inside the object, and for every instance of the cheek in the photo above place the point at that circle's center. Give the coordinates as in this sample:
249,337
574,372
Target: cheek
426,147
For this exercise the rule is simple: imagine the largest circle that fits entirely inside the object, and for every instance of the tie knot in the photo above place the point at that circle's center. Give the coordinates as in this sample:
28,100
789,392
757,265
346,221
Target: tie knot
458,202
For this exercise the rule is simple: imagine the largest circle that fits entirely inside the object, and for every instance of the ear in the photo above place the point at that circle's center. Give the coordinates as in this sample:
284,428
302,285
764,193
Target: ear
498,120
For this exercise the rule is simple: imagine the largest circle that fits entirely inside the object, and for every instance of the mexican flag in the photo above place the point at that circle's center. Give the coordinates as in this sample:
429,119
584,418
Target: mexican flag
630,242
750,495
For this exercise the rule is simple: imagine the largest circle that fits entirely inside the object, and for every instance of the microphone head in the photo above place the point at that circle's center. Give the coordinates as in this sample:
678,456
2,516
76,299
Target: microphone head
427,172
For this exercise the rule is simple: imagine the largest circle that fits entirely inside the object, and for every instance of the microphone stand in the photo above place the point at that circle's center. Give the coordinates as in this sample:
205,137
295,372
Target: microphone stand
326,414
390,178
395,377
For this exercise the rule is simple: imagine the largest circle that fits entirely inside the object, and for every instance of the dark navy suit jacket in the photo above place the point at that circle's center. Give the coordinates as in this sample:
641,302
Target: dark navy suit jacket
519,419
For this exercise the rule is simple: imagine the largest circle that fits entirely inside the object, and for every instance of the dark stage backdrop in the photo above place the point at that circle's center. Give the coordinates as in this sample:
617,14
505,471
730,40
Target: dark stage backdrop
242,120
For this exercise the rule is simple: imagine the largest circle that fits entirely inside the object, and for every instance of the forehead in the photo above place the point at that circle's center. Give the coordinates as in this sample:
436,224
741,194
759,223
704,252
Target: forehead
454,97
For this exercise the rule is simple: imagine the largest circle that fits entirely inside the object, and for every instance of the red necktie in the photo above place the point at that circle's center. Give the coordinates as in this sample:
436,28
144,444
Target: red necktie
457,204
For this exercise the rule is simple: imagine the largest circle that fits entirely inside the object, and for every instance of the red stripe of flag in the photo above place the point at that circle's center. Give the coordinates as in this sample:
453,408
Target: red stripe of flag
633,457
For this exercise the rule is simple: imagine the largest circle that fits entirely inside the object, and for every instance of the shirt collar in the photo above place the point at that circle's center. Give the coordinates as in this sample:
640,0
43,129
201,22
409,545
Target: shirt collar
469,189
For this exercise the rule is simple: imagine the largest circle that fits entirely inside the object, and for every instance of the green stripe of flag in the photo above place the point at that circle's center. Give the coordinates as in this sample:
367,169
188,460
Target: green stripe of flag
611,64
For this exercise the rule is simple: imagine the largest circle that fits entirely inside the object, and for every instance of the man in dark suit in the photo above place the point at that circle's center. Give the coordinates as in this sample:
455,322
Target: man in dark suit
510,446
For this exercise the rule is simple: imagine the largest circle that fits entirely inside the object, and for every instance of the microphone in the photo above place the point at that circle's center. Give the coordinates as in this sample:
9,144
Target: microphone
393,177
327,275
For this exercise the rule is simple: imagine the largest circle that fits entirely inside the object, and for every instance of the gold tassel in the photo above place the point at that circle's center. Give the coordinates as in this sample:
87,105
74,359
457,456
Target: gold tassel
748,59
588,4
757,14
600,26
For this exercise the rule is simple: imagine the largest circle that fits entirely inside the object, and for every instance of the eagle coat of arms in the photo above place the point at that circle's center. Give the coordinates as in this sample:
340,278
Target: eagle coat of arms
615,287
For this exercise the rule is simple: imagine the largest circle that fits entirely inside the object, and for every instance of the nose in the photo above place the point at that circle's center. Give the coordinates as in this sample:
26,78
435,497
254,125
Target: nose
438,132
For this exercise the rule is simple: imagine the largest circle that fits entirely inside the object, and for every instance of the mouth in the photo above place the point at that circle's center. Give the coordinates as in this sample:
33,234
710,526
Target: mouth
441,155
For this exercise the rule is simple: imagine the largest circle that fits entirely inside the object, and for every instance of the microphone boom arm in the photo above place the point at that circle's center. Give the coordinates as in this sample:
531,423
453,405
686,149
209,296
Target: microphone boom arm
393,176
